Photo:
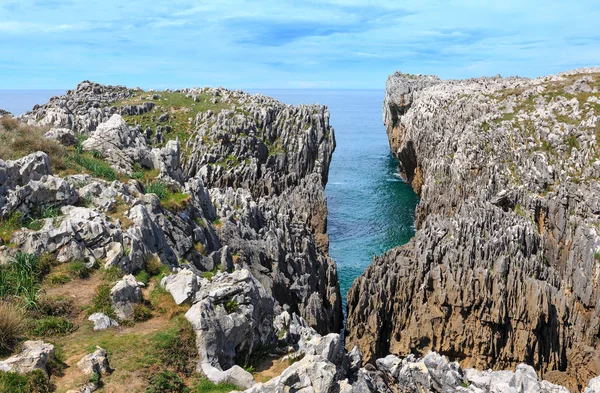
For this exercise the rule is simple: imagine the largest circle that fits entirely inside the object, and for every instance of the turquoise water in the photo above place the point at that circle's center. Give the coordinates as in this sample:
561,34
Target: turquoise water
370,209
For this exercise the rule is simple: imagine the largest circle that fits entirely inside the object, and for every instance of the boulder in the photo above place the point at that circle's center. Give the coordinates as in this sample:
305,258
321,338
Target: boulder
34,355
49,191
311,374
96,362
232,318
62,135
31,167
118,144
102,321
182,285
234,375
124,295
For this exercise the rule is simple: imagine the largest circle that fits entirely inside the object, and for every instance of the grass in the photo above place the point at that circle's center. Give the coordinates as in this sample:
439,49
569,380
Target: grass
174,201
52,326
18,140
95,166
32,382
21,278
176,347
9,225
166,381
101,302
231,306
203,385
12,324
177,104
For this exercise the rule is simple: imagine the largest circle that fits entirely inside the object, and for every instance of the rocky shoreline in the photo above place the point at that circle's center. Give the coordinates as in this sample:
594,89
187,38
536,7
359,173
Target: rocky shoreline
503,268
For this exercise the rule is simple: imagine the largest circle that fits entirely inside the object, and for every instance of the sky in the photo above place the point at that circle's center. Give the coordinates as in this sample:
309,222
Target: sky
352,44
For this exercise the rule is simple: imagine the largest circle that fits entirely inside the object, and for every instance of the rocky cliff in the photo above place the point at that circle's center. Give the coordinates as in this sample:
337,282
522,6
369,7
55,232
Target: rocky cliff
504,265
254,170
222,189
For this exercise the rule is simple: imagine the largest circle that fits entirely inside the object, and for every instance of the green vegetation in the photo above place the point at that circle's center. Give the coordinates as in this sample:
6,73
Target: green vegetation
597,257
21,278
52,326
174,201
176,347
181,109
33,382
203,385
228,162
141,313
95,166
101,301
295,357
231,306
78,269
166,381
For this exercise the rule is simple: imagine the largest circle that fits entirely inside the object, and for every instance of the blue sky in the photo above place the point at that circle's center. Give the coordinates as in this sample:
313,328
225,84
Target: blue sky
47,44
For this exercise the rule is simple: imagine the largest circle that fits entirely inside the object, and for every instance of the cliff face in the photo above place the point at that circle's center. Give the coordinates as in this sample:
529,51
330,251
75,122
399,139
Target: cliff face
505,262
254,168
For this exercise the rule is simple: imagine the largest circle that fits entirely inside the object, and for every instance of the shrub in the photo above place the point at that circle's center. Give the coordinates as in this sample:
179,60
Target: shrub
154,266
166,382
141,313
52,326
12,323
231,306
101,301
176,347
78,269
60,306
33,382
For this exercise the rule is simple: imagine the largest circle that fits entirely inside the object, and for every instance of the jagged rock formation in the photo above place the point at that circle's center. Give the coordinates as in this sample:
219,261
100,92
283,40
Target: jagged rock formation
504,266
224,188
265,164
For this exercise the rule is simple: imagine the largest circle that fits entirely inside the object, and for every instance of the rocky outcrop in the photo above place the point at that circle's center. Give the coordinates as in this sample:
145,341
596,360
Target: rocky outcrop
503,267
96,362
124,296
264,164
34,355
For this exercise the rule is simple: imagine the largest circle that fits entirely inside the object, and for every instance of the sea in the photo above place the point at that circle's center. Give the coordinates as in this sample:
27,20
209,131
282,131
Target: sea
371,209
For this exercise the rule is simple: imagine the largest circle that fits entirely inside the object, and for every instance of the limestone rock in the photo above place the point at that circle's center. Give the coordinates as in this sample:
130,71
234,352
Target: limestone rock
234,375
62,135
96,362
507,228
232,318
34,355
124,295
182,286
102,321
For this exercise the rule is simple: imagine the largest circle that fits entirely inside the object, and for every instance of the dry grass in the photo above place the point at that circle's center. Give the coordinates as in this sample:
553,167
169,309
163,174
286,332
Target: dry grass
12,325
18,140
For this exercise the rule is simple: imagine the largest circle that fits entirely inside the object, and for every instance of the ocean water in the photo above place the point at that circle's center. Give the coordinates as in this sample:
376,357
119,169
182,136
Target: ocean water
370,208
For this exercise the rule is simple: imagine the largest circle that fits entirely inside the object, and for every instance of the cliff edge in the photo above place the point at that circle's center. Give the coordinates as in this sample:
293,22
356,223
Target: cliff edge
504,265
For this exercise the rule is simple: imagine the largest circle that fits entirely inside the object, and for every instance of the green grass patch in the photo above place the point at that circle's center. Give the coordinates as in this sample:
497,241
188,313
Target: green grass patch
33,382
95,166
52,326
21,278
101,302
